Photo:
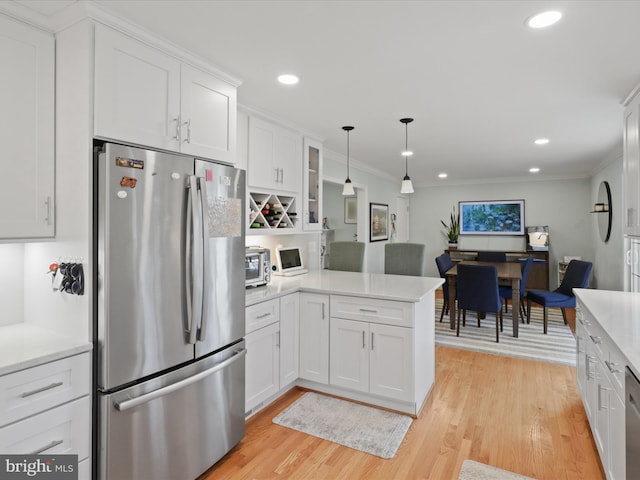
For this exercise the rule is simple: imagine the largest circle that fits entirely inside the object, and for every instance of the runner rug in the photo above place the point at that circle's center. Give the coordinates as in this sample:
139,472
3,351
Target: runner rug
479,471
370,430
557,346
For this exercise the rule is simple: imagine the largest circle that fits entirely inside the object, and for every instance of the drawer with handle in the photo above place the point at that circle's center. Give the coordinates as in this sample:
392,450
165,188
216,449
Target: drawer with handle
262,314
63,430
388,312
33,390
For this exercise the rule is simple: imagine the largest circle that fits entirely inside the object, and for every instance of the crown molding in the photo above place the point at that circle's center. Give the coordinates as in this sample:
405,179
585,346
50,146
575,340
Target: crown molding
252,111
614,155
83,9
363,167
26,15
629,97
502,180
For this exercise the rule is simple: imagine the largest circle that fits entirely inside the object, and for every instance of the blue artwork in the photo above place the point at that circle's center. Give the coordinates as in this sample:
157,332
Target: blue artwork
492,218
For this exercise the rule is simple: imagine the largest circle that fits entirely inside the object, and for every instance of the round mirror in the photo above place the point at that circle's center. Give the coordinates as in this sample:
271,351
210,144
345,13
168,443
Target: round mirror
603,209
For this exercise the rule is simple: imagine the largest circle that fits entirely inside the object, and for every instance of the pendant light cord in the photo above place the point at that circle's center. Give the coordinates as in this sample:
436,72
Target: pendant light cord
406,149
347,153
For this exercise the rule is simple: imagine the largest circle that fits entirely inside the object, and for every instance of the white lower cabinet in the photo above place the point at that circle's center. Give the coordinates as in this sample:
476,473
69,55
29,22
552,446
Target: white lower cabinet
288,340
272,350
261,365
46,409
371,350
314,337
391,365
371,358
600,379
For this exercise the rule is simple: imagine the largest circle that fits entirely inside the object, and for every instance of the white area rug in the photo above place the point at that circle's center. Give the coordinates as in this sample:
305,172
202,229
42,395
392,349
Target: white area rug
363,428
479,471
557,346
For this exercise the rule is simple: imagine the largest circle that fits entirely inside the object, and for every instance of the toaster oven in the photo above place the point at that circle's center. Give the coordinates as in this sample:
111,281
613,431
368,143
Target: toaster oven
257,266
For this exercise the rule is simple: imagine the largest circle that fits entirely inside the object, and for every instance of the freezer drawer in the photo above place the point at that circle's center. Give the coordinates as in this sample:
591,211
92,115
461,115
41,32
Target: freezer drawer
177,425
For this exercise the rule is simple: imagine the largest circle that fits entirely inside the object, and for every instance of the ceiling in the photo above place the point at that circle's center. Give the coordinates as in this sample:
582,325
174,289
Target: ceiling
480,85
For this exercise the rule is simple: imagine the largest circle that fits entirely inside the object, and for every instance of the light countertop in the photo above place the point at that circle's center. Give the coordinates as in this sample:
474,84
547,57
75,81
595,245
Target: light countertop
24,346
401,288
619,315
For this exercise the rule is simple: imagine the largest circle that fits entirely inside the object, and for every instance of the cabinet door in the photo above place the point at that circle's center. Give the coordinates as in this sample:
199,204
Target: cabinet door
288,155
391,365
589,399
617,441
312,185
275,157
631,168
581,358
349,356
314,337
262,171
261,366
289,333
27,133
208,111
137,92
601,413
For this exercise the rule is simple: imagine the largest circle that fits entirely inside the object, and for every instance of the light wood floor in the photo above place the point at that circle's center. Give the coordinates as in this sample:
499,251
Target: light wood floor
515,414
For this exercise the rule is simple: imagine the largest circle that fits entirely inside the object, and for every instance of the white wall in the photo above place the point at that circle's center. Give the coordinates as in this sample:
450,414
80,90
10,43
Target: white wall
563,205
608,267
12,287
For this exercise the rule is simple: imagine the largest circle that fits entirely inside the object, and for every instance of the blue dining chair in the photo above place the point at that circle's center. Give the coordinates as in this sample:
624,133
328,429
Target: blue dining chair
507,292
478,291
491,256
444,263
576,276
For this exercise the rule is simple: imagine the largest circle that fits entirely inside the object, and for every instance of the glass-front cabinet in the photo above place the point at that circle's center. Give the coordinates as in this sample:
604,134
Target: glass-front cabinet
312,188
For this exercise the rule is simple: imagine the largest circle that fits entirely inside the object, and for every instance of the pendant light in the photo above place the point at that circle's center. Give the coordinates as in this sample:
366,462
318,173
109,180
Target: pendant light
348,186
407,186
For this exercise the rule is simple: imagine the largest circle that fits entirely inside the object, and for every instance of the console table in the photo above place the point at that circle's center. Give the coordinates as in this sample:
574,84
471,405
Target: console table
538,276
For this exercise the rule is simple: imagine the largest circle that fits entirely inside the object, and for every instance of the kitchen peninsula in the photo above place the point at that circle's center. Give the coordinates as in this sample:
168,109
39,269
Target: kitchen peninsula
364,336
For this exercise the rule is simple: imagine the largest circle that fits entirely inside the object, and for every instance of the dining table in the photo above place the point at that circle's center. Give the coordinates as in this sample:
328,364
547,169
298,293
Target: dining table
509,274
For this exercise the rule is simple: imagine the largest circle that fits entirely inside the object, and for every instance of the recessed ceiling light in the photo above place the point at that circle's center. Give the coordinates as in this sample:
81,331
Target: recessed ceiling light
544,19
288,79
541,141
534,169
407,153
442,175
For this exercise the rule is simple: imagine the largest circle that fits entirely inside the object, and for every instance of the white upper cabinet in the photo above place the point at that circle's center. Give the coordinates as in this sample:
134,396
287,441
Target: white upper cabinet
631,166
312,185
146,97
27,131
208,109
275,157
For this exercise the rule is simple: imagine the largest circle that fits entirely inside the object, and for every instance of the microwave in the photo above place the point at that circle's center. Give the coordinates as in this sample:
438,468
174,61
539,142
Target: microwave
257,266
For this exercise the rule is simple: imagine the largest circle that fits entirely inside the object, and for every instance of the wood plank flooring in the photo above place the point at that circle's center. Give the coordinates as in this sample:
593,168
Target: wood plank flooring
515,414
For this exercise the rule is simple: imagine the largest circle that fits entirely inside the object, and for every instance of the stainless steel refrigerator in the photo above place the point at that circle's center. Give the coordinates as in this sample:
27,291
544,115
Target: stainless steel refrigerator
170,313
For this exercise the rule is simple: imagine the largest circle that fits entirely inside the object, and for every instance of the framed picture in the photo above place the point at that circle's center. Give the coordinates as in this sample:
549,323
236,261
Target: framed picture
502,217
350,209
379,222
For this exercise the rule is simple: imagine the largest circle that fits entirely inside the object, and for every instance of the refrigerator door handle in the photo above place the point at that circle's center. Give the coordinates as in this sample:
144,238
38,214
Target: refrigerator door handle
204,224
193,284
147,397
